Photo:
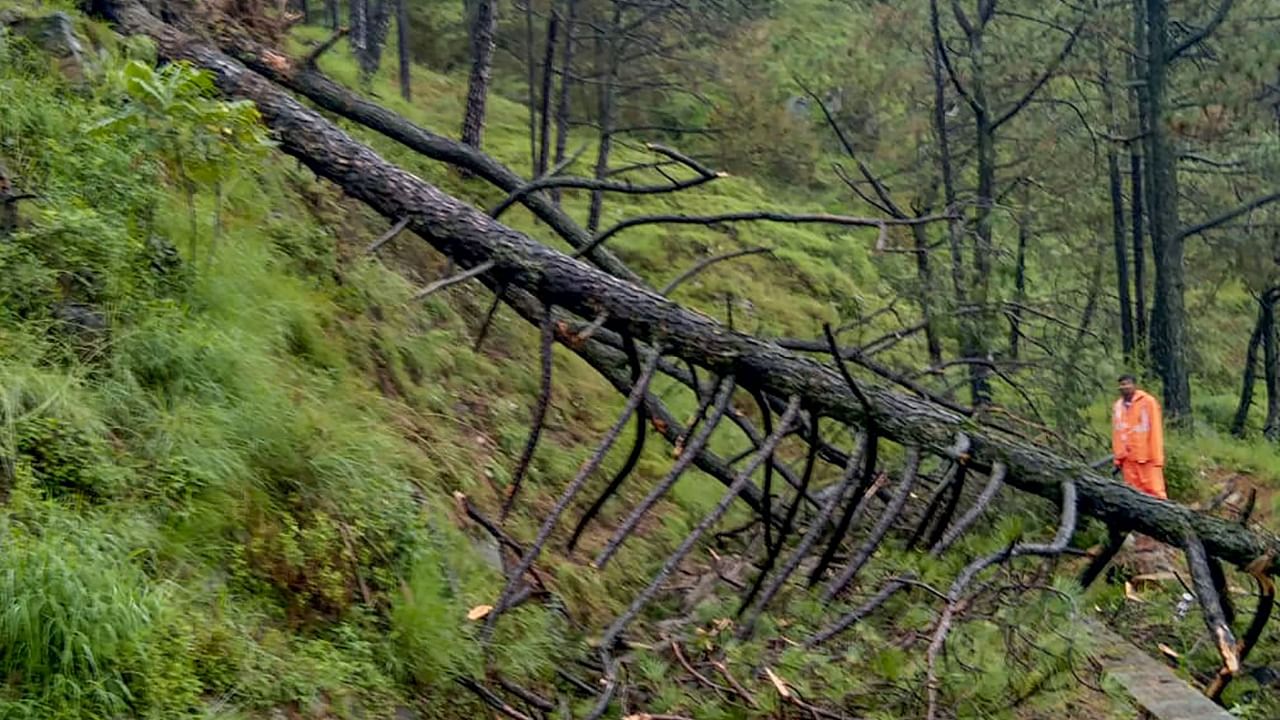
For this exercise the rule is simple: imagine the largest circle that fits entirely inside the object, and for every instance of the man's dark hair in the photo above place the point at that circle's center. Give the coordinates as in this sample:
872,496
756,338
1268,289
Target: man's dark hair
1128,377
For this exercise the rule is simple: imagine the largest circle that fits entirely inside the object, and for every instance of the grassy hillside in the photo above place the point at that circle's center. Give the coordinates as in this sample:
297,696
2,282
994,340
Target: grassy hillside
233,495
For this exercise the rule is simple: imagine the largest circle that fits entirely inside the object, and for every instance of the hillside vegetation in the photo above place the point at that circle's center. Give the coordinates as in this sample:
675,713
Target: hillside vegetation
237,455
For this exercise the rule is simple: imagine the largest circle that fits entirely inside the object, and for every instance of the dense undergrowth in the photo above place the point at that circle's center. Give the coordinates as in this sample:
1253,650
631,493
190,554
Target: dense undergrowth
231,446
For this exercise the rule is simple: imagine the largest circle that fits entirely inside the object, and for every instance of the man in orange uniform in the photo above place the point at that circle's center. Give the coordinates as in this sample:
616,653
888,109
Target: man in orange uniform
1137,439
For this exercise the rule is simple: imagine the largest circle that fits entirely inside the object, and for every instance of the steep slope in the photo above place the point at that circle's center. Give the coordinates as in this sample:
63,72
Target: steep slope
240,497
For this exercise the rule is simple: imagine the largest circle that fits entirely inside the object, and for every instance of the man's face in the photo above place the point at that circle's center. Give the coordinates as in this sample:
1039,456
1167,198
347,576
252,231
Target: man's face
1127,388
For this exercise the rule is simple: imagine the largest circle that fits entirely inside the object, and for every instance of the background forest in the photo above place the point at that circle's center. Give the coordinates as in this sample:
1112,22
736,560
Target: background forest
249,462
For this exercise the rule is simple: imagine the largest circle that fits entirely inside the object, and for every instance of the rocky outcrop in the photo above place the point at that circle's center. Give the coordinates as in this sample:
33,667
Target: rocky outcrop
55,34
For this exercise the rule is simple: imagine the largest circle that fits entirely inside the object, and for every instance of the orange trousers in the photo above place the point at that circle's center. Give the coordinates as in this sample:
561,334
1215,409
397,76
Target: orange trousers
1146,477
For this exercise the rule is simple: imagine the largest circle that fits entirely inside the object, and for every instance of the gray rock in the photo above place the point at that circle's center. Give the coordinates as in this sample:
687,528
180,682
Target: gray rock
56,35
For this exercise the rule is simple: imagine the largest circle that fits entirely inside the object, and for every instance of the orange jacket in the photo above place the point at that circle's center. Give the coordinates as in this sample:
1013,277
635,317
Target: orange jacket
1137,432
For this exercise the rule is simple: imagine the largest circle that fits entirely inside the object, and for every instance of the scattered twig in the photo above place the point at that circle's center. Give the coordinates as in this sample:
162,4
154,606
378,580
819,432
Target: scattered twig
733,682
547,330
719,689
388,236
461,277
492,700
310,60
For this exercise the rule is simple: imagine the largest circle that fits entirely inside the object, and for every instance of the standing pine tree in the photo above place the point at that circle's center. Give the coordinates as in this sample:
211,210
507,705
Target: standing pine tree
484,25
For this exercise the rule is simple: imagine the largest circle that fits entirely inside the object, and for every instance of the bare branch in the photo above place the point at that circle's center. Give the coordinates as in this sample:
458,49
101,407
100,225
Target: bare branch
547,335
637,447
311,58
980,506
1219,15
1049,71
755,216
708,262
686,457
1229,215
452,280
638,393
611,635
849,620
838,498
887,518
1066,528
388,236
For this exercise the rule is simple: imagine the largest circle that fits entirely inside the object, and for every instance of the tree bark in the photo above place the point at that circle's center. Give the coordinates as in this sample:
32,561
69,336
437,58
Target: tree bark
402,40
1139,188
1019,281
531,80
944,158
1271,367
1137,200
606,57
1169,338
1250,373
484,26
333,13
472,238
566,89
544,101
1116,187
331,96
357,22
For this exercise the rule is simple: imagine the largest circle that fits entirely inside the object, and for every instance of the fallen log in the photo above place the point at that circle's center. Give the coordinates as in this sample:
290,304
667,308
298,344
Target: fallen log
303,78
471,238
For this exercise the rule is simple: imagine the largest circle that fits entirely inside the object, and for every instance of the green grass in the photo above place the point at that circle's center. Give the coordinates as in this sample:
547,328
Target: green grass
241,497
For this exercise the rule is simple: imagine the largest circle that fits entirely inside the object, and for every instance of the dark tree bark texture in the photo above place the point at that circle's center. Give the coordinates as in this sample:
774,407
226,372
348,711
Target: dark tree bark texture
484,26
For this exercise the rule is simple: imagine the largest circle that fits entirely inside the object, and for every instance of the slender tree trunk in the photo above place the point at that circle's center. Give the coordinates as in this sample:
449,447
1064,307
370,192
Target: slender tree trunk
357,27
1250,372
375,26
1271,367
1169,339
544,102
531,80
1091,298
954,227
1019,280
1137,199
982,322
566,89
333,12
924,276
1127,343
483,27
305,8
1116,187
402,40
606,57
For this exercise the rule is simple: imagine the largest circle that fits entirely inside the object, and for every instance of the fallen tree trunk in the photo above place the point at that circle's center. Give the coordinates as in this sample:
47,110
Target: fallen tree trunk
304,79
472,238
